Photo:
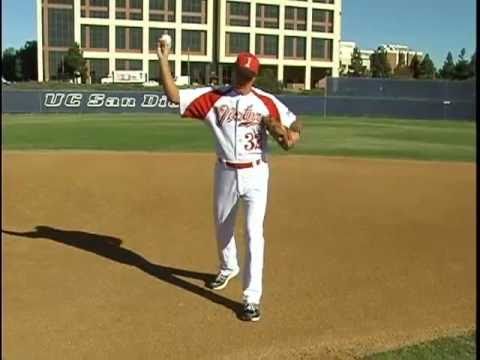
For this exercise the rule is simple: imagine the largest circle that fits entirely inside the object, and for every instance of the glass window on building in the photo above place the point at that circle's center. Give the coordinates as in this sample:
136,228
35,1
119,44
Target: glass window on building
196,70
94,8
56,65
294,47
154,70
324,1
155,34
98,69
162,10
322,49
194,42
124,64
60,27
129,9
295,18
237,43
322,20
94,37
238,14
60,2
128,39
120,38
136,39
266,45
267,16
194,11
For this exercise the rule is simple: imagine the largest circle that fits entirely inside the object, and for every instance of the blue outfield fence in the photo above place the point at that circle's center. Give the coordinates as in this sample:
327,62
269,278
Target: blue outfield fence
373,102
18,101
403,89
374,107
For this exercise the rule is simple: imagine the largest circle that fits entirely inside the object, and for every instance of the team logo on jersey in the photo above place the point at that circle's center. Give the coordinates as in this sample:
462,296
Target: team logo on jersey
247,118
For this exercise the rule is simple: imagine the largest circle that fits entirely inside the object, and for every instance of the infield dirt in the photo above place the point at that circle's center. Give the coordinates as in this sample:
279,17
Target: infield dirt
112,251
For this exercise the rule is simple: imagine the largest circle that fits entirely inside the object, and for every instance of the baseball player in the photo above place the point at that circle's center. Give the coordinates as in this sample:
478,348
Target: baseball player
239,117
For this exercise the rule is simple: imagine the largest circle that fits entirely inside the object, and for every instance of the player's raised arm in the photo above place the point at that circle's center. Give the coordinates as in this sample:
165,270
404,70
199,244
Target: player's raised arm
171,90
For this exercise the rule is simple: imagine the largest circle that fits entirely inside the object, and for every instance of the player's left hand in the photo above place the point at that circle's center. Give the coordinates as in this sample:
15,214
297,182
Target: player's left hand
285,138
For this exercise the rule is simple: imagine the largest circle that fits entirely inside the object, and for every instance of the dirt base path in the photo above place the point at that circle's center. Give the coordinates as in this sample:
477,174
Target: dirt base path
361,255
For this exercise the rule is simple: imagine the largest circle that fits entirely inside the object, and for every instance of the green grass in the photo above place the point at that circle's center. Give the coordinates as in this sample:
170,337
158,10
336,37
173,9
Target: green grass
453,348
361,137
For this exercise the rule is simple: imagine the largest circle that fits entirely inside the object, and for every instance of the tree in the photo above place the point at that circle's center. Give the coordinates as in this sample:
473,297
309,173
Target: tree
427,68
10,65
402,71
462,67
379,64
267,80
415,67
357,69
28,59
74,62
473,65
448,69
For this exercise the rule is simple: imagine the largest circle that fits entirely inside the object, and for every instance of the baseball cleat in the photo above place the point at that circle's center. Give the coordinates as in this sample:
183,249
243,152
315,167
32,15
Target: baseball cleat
221,280
250,312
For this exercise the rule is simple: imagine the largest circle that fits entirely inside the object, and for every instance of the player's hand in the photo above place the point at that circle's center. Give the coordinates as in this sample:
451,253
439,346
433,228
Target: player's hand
162,50
286,141
279,132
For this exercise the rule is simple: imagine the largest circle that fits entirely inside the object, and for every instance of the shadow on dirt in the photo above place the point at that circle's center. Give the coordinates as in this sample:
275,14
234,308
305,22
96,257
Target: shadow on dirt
110,248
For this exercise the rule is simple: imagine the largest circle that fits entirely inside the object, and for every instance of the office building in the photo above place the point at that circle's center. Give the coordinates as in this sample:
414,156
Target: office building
298,40
396,55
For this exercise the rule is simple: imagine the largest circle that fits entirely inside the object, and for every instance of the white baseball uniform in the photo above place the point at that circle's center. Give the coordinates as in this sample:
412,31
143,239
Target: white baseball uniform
241,141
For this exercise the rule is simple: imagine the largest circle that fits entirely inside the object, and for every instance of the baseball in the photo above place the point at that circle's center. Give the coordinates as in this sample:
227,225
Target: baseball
167,40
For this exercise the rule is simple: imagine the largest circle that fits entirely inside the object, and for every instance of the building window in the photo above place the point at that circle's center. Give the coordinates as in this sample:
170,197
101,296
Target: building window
194,42
121,64
162,10
94,9
267,16
194,11
238,14
56,65
237,43
95,37
129,9
197,71
155,34
266,46
128,39
154,71
59,2
60,27
294,47
98,69
322,49
295,18
324,1
322,21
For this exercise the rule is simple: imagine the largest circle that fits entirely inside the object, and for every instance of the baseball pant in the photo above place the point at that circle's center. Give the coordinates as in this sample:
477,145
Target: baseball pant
250,185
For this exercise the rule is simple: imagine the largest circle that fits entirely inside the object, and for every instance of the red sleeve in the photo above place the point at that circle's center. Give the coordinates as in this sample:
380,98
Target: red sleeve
200,107
270,104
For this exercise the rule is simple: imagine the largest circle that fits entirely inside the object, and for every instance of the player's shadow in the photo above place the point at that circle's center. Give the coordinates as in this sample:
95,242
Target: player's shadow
110,247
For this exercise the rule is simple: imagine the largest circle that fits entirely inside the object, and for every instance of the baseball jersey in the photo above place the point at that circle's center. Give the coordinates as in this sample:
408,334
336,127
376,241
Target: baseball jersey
235,119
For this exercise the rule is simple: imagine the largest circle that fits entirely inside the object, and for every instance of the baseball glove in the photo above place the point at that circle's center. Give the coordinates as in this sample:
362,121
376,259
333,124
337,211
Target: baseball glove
280,133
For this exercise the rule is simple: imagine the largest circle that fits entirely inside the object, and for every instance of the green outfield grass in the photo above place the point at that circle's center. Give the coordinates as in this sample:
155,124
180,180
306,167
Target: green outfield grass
362,137
453,348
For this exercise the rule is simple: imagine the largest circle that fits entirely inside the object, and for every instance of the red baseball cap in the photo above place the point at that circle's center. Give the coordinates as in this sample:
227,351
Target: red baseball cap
248,61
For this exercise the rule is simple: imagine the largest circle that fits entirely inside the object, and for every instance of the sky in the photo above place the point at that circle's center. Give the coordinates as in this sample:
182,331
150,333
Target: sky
432,26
